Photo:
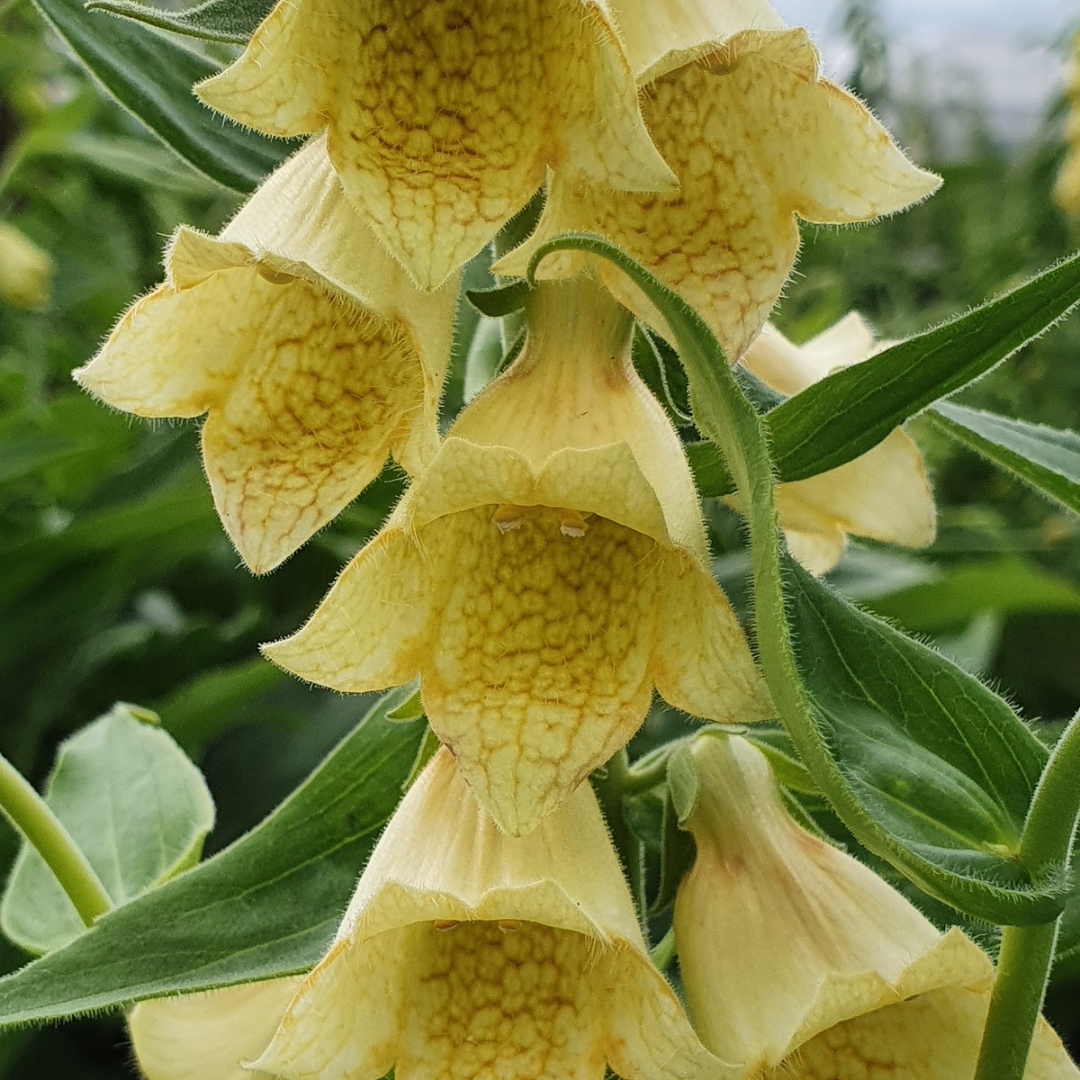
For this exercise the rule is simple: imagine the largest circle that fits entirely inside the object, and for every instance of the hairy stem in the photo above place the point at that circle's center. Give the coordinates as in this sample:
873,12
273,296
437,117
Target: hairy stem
1027,952
28,812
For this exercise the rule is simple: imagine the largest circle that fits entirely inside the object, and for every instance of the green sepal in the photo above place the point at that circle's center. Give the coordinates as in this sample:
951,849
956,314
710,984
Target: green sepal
682,783
412,708
500,301
677,854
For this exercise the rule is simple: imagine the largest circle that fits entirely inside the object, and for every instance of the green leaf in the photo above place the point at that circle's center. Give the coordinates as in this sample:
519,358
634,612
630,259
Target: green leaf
203,707
134,804
1044,457
1006,584
23,453
940,761
853,409
151,75
854,736
131,160
266,906
230,21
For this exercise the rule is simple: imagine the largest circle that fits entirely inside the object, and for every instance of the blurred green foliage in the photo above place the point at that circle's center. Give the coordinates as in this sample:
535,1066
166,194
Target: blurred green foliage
117,582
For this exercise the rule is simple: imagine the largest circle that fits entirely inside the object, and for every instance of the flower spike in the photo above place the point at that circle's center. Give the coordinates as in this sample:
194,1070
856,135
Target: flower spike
544,574
443,116
800,962
757,140
308,346
467,954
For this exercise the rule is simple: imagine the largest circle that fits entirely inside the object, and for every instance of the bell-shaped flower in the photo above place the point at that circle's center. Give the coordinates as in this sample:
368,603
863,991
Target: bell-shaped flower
308,346
211,1035
651,29
543,575
1067,183
883,494
469,954
757,140
443,117
799,959
25,270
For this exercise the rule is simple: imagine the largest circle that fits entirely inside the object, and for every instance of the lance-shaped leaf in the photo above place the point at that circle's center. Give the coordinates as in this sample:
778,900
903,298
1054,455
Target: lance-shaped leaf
266,906
1044,457
230,21
852,410
939,760
137,808
928,768
151,75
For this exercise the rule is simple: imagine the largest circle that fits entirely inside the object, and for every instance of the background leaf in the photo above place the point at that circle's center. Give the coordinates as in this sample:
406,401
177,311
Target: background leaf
230,21
151,75
951,598
266,906
137,808
1045,458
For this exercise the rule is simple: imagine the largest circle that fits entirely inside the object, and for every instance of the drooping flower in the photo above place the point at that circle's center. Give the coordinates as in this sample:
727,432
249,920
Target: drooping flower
468,954
545,573
883,494
800,962
443,115
209,1036
308,346
1067,183
653,29
757,140
25,270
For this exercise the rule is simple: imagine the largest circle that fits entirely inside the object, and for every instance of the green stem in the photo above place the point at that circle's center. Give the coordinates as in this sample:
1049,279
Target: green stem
28,812
649,771
1023,968
1027,952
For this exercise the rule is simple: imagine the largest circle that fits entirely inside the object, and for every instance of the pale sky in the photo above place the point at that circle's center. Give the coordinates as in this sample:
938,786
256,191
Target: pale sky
1005,53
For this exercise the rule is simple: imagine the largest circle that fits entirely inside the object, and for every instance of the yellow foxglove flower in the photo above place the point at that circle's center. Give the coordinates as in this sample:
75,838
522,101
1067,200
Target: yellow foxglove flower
442,116
466,954
651,29
308,346
545,573
1067,184
883,494
757,139
797,958
25,270
209,1036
